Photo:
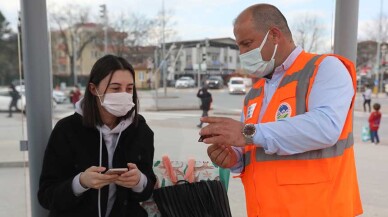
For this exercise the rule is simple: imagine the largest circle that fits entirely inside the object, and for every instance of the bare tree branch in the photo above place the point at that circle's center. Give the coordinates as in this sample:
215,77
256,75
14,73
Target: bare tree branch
71,22
169,31
130,30
371,29
308,32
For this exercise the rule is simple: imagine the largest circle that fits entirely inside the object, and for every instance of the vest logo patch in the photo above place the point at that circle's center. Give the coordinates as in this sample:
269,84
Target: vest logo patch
250,111
284,111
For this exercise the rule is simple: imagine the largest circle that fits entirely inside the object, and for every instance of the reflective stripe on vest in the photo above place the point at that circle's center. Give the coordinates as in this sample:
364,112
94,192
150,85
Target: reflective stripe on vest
333,151
253,93
303,78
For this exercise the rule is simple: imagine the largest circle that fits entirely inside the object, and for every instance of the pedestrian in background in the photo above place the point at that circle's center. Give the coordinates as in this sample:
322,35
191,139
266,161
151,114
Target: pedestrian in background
374,123
206,100
15,96
105,132
367,95
294,145
75,95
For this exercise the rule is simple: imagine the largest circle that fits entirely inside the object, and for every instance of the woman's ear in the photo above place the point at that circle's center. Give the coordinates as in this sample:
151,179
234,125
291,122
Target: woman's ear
93,89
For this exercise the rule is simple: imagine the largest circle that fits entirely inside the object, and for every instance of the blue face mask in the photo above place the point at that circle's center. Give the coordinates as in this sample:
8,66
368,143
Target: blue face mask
253,62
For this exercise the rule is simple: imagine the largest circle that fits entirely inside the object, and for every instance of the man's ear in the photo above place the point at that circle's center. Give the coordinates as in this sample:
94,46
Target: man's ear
275,35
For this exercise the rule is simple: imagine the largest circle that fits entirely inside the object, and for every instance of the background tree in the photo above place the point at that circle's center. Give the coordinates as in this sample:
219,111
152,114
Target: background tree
130,30
155,36
71,23
9,67
308,32
370,30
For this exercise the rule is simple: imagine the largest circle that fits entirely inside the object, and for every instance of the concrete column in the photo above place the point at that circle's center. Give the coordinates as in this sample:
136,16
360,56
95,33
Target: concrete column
38,81
345,30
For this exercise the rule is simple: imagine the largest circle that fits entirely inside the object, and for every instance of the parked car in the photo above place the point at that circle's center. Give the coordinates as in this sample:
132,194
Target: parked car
215,82
5,100
237,85
59,96
185,82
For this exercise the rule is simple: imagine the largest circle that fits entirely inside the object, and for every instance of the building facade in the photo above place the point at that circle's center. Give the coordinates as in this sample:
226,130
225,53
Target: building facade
367,59
84,44
202,58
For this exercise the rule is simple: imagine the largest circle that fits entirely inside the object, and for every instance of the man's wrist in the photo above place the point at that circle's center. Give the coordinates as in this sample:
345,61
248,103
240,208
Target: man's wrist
248,140
248,131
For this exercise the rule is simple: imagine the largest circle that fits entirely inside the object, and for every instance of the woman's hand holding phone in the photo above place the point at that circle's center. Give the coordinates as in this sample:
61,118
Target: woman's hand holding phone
131,178
94,178
117,171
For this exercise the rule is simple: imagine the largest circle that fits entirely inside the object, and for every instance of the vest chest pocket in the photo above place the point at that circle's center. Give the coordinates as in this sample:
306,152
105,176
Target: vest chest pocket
296,172
284,105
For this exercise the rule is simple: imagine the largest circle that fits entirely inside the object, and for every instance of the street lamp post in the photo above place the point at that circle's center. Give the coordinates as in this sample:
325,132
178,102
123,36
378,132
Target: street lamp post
198,46
379,72
74,44
164,50
103,15
383,64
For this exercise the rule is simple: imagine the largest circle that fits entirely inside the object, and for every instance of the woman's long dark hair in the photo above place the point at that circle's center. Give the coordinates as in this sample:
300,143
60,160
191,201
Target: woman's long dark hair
105,66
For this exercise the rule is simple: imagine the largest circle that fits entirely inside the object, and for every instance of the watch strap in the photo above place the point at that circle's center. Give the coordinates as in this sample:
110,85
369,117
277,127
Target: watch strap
248,140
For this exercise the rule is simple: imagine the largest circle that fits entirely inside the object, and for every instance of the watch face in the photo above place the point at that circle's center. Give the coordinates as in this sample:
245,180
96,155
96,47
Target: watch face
249,130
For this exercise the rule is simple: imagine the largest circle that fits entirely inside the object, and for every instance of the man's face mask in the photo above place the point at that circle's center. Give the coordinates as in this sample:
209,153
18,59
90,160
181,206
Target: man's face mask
118,104
253,62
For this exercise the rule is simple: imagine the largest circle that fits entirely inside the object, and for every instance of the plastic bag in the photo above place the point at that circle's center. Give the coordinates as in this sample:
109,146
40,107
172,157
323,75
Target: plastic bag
168,173
365,133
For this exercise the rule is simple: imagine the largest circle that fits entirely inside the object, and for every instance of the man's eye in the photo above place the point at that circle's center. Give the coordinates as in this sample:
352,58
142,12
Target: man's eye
247,44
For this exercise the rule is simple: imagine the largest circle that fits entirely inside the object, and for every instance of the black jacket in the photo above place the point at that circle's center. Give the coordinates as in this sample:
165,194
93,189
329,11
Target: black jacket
206,99
72,148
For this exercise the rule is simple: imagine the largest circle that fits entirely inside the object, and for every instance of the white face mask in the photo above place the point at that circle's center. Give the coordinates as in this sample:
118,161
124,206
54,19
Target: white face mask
253,62
118,104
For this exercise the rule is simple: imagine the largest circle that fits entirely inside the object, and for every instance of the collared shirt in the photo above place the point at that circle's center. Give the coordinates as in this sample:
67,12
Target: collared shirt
321,126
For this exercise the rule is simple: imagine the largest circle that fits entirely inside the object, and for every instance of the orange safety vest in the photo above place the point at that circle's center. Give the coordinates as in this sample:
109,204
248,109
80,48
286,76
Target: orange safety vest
318,183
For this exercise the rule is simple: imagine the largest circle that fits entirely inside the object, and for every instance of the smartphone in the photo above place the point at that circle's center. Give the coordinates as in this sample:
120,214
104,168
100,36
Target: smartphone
204,137
117,171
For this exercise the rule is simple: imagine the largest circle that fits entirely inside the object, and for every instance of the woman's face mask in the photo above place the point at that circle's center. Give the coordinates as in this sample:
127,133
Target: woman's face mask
118,104
253,62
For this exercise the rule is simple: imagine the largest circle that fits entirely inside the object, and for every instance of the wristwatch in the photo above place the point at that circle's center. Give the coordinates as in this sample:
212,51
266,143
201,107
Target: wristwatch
249,131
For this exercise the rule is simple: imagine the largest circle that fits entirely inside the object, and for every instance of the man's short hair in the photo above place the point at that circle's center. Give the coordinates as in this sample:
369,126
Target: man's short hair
266,16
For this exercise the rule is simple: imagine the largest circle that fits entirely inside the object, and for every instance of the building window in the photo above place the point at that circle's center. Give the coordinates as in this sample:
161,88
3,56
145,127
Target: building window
141,76
225,59
188,58
62,68
230,59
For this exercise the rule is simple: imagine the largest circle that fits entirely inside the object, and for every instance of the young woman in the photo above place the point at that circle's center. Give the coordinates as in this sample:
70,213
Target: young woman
105,132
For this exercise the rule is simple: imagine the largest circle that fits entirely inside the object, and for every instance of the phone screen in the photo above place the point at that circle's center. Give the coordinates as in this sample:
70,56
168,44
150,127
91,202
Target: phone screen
117,171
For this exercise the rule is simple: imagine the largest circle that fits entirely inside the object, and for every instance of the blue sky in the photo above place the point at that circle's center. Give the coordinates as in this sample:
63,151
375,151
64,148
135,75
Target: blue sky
198,19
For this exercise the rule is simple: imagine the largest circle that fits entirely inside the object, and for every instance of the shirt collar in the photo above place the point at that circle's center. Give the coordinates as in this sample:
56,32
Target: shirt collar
290,60
281,69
